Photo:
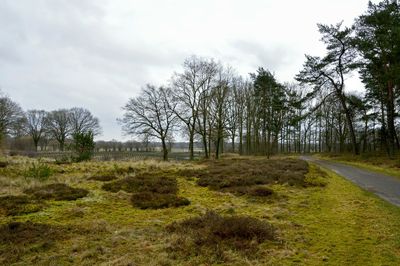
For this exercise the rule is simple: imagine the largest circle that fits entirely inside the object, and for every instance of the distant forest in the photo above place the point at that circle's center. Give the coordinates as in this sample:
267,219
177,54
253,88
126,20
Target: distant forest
209,103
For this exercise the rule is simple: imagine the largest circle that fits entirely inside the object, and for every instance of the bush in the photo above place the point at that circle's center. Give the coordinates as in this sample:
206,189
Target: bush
257,191
19,238
18,205
63,160
3,164
243,172
39,171
213,234
104,177
149,191
151,200
57,191
83,146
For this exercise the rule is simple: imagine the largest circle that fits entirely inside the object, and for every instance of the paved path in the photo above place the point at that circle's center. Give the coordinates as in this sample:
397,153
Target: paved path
386,187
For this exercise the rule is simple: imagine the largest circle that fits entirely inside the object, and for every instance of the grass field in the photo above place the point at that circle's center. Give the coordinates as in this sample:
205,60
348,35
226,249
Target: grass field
237,211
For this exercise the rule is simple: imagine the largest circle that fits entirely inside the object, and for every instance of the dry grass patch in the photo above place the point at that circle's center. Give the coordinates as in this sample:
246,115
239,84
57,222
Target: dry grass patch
57,191
150,183
211,234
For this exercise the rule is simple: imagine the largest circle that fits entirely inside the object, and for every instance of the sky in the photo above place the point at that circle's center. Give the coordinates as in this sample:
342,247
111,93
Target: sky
97,54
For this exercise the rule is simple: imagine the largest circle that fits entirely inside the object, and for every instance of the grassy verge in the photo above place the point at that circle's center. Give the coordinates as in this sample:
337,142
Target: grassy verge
344,225
331,222
378,163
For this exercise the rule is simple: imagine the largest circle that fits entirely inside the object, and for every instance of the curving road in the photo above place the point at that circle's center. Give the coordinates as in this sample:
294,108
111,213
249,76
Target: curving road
386,187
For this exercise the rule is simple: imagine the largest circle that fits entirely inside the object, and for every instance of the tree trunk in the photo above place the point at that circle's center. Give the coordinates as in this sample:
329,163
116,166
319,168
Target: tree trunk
391,132
191,144
165,149
349,123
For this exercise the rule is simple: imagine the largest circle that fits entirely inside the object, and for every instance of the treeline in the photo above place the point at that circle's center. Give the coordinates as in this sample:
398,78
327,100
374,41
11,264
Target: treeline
259,115
207,102
42,127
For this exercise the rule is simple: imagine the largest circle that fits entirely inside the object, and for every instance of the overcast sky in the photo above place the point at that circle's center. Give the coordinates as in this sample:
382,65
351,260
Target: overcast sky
98,53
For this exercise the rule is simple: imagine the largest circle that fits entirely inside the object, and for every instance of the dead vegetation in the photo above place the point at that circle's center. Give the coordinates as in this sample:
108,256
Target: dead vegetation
19,205
245,177
103,177
18,238
57,191
150,190
211,234
152,200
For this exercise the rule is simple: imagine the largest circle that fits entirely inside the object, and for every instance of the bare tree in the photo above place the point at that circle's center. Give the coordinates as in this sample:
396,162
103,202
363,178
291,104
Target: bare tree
11,116
59,125
36,125
189,87
150,114
82,121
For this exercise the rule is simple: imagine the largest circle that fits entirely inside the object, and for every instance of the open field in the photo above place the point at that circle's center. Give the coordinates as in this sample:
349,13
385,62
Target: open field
236,211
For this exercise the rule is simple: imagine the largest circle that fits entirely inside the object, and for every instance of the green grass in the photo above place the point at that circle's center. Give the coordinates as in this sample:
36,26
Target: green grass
334,224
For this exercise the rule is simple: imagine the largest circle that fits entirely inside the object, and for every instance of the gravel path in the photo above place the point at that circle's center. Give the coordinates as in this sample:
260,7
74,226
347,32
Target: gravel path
386,187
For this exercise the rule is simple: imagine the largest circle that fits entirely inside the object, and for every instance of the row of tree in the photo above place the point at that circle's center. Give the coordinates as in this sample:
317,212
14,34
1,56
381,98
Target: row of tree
211,103
42,126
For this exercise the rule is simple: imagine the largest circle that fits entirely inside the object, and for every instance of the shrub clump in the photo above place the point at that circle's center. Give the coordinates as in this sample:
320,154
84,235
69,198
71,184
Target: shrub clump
17,238
151,200
3,164
83,146
57,191
39,171
19,205
149,191
245,176
213,234
104,177
256,191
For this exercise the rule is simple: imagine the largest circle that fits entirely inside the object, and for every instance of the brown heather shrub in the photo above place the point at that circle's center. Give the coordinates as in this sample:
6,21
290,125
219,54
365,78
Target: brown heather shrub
256,191
212,234
238,175
57,191
150,190
151,200
19,205
103,177
17,238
